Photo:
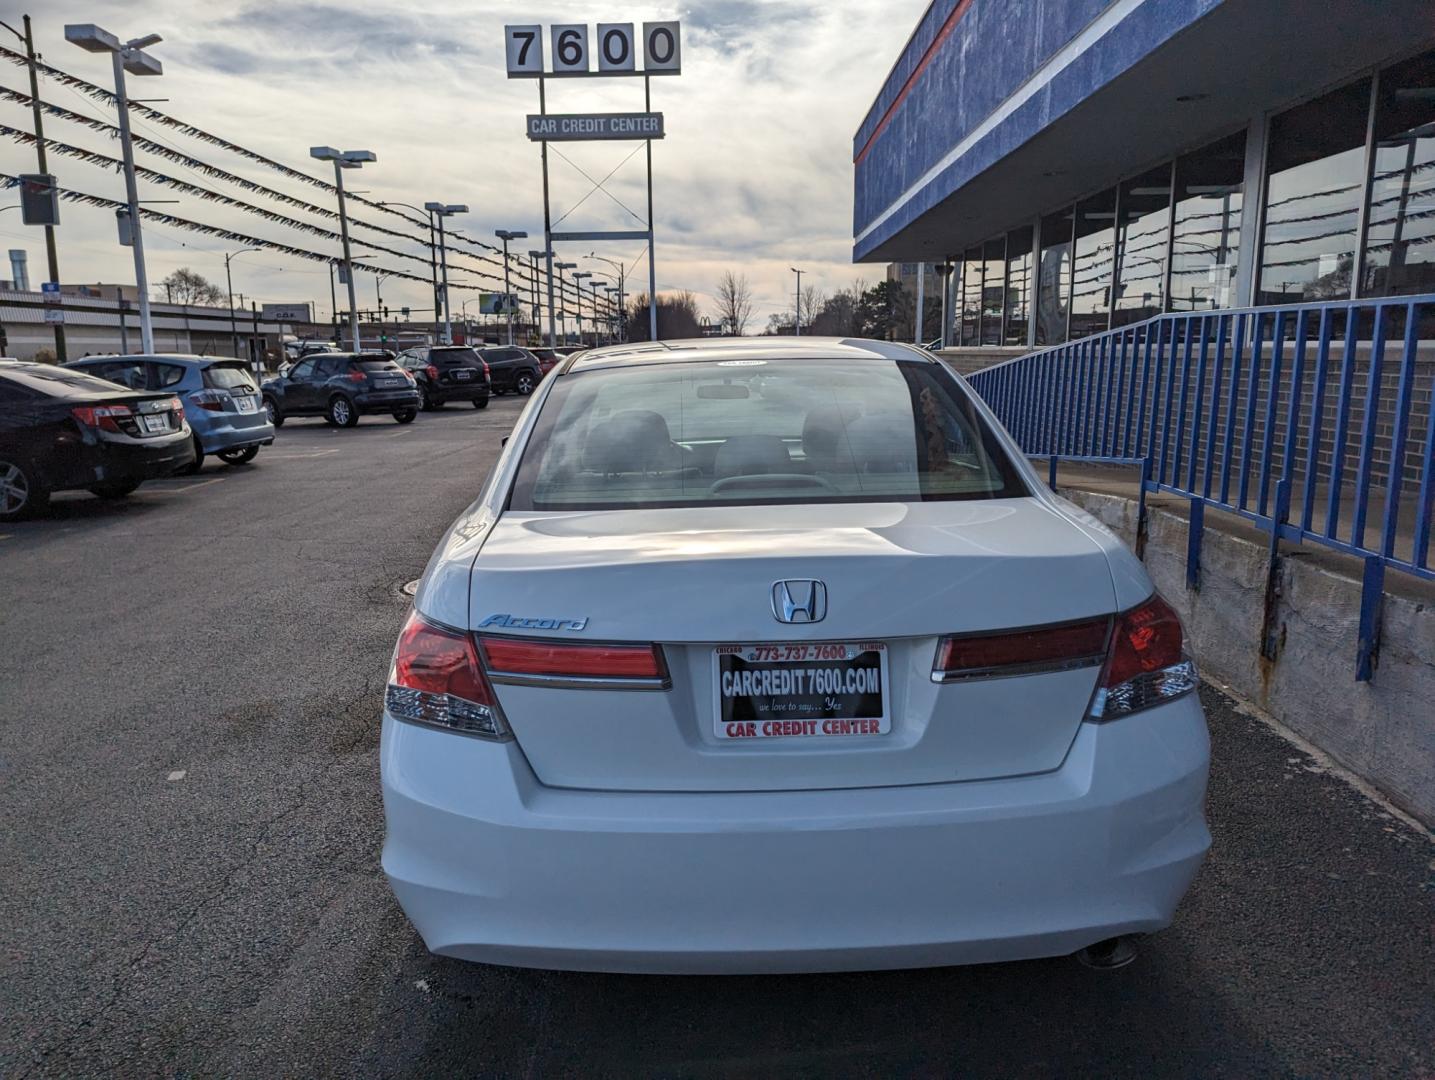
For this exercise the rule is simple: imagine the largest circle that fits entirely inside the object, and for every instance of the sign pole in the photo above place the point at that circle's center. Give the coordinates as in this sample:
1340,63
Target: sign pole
547,222
652,266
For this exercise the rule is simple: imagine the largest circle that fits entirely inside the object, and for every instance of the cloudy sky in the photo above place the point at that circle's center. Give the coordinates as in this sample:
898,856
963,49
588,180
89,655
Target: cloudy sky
755,174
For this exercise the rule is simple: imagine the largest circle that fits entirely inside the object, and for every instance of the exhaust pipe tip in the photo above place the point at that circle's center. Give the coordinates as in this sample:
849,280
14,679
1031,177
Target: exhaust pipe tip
1110,954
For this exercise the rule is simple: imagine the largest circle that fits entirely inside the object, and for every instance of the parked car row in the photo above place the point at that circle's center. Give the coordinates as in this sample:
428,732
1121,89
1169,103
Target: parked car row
106,424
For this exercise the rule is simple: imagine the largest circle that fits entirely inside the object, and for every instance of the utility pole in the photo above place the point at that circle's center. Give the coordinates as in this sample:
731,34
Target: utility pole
652,265
51,258
506,235
345,159
797,308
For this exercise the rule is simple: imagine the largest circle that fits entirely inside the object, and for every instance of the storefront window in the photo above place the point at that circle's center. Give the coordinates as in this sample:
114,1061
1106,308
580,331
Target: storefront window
1018,285
993,290
1144,211
1315,181
1053,278
1092,264
1206,238
1400,240
972,268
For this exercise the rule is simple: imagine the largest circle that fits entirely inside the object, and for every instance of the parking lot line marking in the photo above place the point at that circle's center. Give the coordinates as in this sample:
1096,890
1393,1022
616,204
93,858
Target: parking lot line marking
202,483
4,536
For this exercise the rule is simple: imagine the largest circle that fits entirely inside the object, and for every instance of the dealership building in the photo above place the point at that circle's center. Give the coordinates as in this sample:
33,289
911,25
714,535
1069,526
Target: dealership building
1079,165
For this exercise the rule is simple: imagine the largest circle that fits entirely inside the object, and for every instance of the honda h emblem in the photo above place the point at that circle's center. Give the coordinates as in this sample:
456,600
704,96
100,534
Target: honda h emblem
802,600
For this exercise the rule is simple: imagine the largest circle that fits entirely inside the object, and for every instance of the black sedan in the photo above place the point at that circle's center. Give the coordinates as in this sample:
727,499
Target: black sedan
64,431
447,373
341,387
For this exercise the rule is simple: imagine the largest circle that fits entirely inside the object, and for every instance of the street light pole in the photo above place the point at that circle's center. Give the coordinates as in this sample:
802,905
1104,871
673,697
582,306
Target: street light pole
562,297
229,285
51,258
345,159
578,277
622,300
506,235
129,56
441,211
533,257
797,310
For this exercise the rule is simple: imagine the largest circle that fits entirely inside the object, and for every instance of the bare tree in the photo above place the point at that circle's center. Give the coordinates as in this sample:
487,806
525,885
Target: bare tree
184,286
734,302
810,303
677,316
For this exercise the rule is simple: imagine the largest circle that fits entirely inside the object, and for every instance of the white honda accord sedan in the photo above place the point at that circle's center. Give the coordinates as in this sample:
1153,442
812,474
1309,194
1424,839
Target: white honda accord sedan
775,655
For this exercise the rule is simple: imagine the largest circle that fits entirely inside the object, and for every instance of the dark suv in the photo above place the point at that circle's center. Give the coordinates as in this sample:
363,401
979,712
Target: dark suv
341,387
512,369
447,373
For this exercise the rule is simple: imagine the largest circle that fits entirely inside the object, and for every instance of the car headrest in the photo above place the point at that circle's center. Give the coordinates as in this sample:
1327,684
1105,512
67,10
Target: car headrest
883,443
752,455
633,441
824,437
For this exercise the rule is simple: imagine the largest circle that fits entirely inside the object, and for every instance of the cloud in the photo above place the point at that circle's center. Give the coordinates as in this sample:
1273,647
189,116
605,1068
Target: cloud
754,176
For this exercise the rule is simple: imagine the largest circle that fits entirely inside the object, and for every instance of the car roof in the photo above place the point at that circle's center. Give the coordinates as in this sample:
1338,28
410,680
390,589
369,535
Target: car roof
764,348
168,358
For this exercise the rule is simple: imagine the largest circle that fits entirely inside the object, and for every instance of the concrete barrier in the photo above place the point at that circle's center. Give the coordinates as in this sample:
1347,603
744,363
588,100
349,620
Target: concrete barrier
1382,730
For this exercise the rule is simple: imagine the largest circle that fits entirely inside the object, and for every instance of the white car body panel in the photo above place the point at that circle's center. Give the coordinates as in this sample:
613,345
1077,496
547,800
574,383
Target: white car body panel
616,831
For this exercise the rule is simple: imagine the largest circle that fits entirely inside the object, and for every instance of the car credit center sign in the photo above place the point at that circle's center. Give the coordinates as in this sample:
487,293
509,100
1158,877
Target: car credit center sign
556,127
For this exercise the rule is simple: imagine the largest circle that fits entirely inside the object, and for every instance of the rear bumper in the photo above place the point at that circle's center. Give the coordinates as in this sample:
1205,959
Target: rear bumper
491,866
386,401
113,461
224,432
476,391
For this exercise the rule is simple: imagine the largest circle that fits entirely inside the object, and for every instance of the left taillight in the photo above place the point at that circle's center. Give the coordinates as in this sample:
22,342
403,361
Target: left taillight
210,400
436,679
106,417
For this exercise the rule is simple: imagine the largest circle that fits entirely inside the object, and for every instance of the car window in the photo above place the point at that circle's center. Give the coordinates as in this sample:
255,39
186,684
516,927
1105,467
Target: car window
10,394
59,382
782,430
330,366
128,373
228,377
304,369
374,364
168,375
462,357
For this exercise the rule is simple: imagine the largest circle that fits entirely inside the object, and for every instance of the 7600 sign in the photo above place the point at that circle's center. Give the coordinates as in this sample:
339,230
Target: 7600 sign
617,50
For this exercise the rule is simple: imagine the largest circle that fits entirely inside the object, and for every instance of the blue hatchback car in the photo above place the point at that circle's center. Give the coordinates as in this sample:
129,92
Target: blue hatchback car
221,400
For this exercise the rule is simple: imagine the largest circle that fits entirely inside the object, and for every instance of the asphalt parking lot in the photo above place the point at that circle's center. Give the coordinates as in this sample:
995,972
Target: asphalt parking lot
190,826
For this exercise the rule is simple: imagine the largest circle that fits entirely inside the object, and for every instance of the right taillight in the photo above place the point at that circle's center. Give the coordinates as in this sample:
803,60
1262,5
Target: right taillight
1146,663
431,370
436,680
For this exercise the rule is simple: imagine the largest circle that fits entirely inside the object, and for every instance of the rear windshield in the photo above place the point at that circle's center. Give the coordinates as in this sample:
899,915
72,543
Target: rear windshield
454,358
737,432
59,382
376,365
228,377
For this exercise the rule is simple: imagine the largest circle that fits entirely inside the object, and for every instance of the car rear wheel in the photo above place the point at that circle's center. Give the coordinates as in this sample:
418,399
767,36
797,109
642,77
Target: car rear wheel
425,399
115,489
342,412
240,455
405,416
21,492
271,407
480,403
525,382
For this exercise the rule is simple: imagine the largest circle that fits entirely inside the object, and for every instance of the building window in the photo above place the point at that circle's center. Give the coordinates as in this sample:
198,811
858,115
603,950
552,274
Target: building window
1018,285
972,268
1053,282
1314,186
1141,232
1205,243
993,290
1400,239
1092,264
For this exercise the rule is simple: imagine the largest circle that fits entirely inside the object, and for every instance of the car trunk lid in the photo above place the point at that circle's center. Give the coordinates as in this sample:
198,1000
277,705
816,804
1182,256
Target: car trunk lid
898,578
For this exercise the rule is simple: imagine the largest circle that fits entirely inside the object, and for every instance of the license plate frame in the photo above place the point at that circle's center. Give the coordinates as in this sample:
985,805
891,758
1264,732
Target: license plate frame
810,697
245,403
154,423
463,374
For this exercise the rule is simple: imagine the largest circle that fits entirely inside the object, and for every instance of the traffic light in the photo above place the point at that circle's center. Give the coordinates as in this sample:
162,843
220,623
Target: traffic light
39,199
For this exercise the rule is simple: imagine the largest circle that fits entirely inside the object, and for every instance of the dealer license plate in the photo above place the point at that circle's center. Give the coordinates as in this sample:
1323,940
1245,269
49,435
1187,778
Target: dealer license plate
389,384
155,425
462,373
245,403
801,690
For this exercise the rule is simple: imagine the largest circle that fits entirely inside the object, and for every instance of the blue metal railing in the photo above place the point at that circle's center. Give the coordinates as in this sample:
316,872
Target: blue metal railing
1311,420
